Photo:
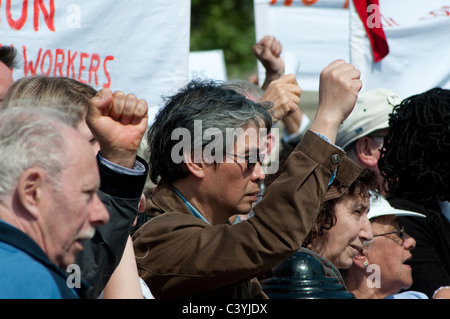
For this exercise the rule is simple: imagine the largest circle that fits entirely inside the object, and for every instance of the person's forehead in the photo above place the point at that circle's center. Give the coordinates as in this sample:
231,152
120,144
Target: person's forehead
358,201
386,220
6,79
249,137
4,70
80,156
84,130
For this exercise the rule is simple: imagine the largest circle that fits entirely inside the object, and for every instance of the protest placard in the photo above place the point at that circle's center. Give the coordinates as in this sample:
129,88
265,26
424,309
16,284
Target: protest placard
139,47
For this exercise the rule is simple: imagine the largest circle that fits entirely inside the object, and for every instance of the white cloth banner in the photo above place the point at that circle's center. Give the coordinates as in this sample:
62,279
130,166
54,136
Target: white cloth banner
206,65
312,33
418,35
139,47
315,32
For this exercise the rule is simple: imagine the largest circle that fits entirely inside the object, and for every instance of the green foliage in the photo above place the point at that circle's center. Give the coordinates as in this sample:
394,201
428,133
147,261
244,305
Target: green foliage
228,25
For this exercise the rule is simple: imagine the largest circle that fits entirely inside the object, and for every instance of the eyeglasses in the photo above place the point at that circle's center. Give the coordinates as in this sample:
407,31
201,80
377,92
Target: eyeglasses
400,233
250,164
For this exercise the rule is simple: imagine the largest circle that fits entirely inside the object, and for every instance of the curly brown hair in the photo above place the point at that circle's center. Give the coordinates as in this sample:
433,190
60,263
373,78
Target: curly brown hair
365,182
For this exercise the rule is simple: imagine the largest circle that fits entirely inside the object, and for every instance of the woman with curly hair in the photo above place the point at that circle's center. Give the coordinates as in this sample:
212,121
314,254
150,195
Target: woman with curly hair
342,227
338,235
415,162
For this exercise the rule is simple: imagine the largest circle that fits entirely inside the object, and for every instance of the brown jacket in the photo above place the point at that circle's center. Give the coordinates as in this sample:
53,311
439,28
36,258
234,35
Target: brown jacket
181,256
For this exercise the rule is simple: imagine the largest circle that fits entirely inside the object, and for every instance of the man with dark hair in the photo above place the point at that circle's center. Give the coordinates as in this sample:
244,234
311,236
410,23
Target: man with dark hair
9,56
206,145
415,163
8,61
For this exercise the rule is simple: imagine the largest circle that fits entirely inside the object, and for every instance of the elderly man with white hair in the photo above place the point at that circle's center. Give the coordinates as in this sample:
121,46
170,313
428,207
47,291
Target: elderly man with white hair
48,202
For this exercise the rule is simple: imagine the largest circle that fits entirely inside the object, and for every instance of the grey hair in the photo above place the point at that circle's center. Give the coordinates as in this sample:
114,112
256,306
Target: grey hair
211,105
246,88
31,137
62,93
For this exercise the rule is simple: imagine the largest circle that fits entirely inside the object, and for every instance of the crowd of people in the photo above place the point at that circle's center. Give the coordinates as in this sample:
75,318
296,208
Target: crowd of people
97,203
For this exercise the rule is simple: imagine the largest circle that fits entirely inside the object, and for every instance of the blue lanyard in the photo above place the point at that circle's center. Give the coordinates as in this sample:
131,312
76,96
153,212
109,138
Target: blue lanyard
191,208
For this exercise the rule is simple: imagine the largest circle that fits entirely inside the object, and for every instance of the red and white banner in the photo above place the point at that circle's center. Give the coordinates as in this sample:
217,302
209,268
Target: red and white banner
139,46
418,36
313,34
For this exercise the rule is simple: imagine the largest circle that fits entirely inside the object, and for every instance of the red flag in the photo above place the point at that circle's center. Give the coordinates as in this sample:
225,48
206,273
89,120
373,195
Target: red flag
376,34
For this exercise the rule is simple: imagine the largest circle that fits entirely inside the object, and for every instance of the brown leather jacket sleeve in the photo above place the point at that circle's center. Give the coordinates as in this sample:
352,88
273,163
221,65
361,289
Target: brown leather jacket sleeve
179,255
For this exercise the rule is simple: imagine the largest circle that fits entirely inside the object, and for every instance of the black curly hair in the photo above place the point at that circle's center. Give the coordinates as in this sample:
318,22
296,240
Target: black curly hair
9,56
415,159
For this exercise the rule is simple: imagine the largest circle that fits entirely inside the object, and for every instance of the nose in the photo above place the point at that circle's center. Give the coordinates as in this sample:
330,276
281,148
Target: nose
366,232
409,242
258,174
98,214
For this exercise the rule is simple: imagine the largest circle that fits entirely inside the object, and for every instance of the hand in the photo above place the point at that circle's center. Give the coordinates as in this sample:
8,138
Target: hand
285,94
338,90
118,122
268,51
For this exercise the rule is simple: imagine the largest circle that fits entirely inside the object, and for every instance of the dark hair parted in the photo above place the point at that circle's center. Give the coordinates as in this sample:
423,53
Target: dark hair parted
9,56
415,157
216,105
326,219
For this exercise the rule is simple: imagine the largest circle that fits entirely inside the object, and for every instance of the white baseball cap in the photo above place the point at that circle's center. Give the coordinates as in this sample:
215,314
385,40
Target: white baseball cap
379,206
370,113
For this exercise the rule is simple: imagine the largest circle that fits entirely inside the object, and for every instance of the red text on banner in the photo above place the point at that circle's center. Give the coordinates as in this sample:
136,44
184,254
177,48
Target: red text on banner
81,66
16,23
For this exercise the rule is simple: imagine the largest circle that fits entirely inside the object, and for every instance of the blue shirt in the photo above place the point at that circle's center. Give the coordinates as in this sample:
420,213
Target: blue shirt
22,277
25,270
410,294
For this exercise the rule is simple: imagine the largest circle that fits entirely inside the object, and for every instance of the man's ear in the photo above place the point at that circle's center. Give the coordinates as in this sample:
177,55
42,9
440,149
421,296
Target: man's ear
366,152
196,169
360,261
29,190
271,143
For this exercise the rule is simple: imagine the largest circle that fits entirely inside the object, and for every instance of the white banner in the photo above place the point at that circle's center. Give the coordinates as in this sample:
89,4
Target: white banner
418,35
139,46
208,64
313,33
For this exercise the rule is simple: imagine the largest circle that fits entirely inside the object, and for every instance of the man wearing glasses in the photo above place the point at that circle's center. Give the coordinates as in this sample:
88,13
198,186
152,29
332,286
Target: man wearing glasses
381,270
190,249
